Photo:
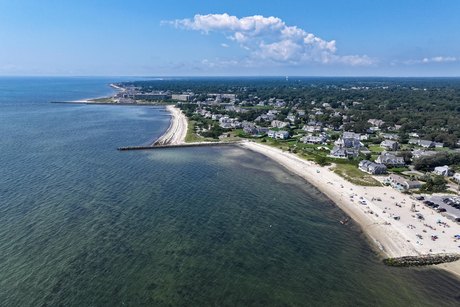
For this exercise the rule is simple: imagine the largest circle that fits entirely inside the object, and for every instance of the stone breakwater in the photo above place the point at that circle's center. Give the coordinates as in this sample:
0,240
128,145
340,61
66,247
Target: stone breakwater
408,261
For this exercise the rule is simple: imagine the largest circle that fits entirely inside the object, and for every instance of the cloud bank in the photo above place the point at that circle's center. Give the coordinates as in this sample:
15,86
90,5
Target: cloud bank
270,39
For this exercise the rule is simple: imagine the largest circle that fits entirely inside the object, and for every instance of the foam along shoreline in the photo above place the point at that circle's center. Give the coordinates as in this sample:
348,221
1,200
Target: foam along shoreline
406,236
177,130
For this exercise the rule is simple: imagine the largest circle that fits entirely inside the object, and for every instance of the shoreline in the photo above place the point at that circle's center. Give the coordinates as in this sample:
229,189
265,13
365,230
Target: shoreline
177,130
390,238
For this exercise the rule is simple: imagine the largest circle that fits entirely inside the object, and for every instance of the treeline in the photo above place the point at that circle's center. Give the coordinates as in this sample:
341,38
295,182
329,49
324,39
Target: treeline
430,162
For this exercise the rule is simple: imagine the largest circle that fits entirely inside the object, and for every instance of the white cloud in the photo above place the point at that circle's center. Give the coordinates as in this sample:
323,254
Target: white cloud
224,45
436,59
270,39
439,59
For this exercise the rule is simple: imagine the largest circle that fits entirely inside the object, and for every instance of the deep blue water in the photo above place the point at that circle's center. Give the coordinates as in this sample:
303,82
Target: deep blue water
82,224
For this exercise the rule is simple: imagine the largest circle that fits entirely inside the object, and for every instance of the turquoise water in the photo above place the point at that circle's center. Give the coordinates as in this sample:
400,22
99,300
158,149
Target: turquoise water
82,224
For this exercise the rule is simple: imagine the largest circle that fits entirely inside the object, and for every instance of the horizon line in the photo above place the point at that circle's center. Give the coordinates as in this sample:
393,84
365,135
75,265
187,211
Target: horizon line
223,76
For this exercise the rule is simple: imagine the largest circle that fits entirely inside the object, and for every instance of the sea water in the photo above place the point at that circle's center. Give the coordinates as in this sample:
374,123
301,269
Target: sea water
82,224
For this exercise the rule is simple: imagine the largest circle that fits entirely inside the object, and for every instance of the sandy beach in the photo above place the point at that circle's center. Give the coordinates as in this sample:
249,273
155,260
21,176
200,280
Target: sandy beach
177,129
406,236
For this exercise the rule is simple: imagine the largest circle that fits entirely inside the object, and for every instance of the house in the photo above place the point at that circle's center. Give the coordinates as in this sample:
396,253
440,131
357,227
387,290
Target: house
401,183
301,112
279,124
339,152
309,139
443,171
426,144
372,167
255,131
417,153
389,145
343,152
376,122
390,159
390,136
372,130
291,118
278,134
312,128
456,177
350,140
281,135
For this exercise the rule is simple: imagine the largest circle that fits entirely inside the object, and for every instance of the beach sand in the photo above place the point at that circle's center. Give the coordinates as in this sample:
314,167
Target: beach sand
408,236
177,129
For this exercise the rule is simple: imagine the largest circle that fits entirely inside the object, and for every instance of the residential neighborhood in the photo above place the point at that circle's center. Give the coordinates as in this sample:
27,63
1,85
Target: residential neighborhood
325,132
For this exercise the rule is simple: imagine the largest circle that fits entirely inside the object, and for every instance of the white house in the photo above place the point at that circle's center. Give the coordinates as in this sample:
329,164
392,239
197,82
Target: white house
457,177
443,171
281,135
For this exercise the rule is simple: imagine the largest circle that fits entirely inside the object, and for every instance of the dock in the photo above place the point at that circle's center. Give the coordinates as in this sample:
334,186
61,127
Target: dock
150,147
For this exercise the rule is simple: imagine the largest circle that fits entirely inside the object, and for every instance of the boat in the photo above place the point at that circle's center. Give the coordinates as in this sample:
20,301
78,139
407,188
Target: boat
344,221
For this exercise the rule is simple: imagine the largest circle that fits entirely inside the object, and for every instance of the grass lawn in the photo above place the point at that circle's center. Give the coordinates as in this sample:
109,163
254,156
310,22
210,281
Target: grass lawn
398,169
191,136
103,100
351,173
376,148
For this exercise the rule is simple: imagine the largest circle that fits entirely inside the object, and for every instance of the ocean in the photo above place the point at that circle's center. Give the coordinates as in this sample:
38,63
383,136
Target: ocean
82,224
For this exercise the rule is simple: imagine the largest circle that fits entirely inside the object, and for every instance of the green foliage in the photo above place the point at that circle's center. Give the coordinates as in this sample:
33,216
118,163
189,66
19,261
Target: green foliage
434,184
440,159
351,173
322,160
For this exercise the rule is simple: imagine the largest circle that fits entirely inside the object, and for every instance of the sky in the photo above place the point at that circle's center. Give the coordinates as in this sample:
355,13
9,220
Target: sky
230,38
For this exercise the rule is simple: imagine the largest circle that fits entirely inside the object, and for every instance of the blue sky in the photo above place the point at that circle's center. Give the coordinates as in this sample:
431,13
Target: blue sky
230,37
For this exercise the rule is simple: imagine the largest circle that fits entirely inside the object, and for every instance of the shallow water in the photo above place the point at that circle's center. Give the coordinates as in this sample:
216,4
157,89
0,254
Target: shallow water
82,224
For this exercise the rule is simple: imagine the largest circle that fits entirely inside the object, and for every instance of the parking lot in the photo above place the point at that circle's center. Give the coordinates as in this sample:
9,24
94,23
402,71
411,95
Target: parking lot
449,203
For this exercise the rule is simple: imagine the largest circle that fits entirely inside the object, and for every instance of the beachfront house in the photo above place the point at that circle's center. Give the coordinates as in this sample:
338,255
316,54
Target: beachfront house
278,134
349,140
389,145
282,135
255,131
372,167
402,184
443,171
390,159
343,152
310,139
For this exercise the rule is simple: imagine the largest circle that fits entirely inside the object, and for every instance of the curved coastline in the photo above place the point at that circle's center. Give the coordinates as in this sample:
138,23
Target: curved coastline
391,238
177,130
